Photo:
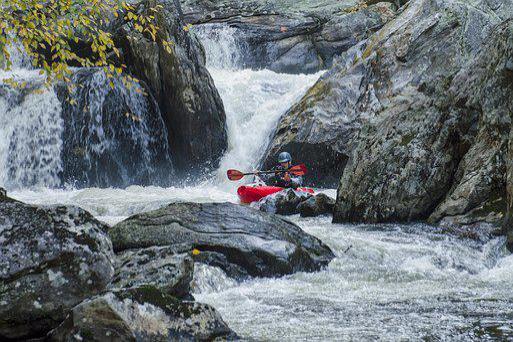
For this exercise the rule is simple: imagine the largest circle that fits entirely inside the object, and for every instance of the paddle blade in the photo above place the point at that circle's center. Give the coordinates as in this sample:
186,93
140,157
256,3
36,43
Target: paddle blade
299,170
234,175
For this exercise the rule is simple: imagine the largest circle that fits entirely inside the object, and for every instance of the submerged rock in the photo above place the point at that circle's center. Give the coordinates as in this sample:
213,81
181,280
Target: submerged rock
179,81
319,204
141,314
51,258
160,267
241,240
301,38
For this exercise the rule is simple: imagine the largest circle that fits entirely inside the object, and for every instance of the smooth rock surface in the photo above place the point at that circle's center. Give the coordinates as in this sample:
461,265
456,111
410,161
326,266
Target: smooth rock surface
51,258
256,243
141,314
160,267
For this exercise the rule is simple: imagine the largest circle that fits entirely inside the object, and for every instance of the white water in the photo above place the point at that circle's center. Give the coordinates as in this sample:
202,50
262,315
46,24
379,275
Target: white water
395,283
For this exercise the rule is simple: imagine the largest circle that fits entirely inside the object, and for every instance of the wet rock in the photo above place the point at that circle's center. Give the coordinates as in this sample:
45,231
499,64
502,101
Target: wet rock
389,94
186,95
160,267
319,204
259,243
141,314
51,258
406,117
3,193
285,202
293,39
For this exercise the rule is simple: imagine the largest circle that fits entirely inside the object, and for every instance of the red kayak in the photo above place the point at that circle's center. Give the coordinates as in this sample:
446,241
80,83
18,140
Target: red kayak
248,193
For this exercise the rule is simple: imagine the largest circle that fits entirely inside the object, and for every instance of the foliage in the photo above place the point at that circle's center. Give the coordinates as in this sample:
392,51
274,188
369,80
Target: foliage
51,32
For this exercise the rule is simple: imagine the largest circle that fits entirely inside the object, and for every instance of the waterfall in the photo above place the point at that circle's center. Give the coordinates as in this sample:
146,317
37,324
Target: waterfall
31,128
113,136
254,100
106,137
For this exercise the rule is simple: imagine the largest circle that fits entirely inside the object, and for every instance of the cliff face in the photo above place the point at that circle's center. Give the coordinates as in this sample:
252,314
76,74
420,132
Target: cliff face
416,119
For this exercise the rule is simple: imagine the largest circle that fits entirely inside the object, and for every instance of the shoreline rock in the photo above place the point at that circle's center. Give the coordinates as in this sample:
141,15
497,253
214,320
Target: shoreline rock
238,239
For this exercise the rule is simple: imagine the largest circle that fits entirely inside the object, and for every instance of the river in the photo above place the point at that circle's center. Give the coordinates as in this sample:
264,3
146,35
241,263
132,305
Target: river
387,282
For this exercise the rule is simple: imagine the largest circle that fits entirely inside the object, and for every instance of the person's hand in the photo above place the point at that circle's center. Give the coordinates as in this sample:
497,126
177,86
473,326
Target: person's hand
286,177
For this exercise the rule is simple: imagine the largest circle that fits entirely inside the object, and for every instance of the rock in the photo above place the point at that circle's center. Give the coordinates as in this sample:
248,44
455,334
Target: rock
302,38
258,243
3,193
406,117
186,95
435,142
141,314
160,267
285,202
51,258
319,204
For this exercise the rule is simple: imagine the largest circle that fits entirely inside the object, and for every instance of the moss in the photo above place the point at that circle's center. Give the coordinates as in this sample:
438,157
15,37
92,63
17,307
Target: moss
406,139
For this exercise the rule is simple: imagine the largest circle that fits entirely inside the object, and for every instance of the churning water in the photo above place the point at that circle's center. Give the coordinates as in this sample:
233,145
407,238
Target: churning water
396,282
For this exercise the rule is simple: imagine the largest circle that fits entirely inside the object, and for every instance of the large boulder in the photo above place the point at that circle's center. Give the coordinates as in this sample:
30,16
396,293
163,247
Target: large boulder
141,314
241,240
435,115
398,74
294,39
160,267
178,79
51,258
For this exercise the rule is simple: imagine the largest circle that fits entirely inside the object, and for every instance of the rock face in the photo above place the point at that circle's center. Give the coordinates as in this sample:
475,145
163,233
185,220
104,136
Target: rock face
51,258
190,104
434,142
159,267
241,240
141,314
301,37
414,119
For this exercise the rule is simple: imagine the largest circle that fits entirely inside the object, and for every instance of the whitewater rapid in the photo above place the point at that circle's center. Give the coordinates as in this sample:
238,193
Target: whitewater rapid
387,282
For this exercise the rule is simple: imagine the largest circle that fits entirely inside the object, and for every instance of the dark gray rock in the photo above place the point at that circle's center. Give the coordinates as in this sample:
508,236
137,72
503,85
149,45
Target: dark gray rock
188,100
141,314
259,243
319,204
285,202
51,258
294,38
160,267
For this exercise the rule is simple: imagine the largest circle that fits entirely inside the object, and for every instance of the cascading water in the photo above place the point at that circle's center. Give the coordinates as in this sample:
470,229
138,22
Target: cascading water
254,100
31,128
396,282
106,137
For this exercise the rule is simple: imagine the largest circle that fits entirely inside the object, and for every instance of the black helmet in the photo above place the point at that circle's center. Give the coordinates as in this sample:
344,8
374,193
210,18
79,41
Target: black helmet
284,157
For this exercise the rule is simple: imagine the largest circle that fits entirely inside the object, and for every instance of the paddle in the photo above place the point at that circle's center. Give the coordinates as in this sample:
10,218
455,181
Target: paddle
298,170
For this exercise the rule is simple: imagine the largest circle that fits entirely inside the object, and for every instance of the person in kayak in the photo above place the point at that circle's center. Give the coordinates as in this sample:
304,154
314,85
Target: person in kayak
283,179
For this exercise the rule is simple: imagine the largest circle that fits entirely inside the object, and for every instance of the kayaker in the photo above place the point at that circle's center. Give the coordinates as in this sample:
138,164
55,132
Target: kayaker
283,179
